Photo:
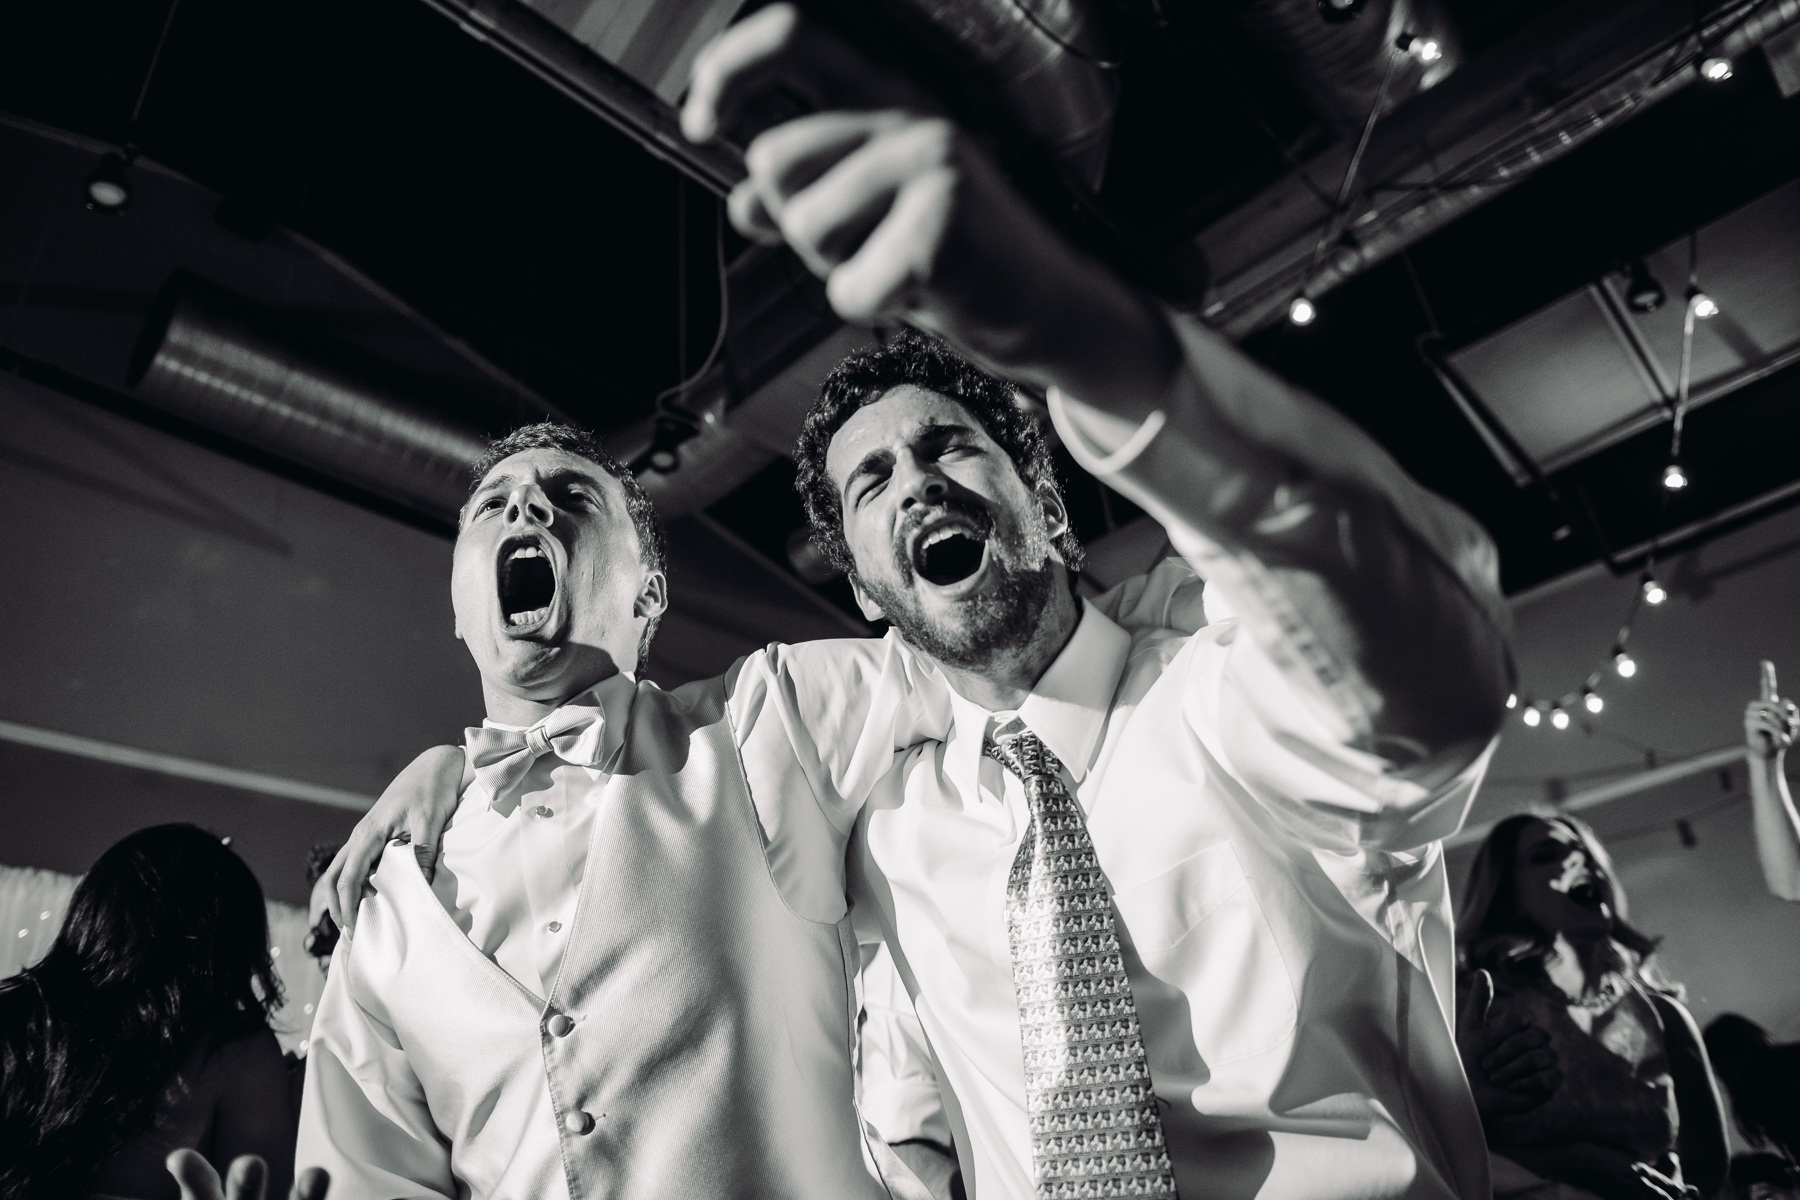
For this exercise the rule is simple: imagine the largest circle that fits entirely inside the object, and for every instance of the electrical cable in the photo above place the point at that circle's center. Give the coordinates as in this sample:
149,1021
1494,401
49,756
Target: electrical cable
680,390
1023,8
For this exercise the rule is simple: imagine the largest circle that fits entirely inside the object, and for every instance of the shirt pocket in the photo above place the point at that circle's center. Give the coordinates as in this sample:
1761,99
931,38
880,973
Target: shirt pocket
1198,927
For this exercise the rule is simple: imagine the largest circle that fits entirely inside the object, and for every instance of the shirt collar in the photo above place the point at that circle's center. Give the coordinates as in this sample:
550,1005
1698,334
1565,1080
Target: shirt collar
611,698
1067,708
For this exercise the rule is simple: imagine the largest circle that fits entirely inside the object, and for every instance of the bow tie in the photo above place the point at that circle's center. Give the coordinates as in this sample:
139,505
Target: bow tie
574,733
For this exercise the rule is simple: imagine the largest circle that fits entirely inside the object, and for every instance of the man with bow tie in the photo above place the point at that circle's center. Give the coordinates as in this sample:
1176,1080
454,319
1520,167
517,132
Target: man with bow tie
630,974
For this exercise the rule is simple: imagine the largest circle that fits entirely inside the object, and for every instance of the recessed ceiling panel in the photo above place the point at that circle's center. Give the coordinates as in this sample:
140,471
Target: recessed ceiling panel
1587,371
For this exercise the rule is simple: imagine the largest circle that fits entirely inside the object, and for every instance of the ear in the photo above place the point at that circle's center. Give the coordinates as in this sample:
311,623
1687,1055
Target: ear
1056,513
652,598
870,609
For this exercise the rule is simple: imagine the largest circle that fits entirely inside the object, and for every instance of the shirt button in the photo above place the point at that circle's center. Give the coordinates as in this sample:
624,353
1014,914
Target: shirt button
541,811
560,1025
554,927
579,1123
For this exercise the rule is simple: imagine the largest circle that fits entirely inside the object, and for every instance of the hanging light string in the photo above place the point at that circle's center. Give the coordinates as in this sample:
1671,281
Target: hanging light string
150,71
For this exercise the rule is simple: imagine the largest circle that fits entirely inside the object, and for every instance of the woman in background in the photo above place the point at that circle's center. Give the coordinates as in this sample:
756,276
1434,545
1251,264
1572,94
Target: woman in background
1763,1078
1637,1114
145,1030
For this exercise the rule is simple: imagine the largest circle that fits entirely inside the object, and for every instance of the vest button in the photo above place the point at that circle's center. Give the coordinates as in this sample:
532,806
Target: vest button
560,1025
579,1123
541,811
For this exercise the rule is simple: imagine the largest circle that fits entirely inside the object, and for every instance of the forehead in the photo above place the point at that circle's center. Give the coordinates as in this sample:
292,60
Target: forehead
892,422
542,464
1538,832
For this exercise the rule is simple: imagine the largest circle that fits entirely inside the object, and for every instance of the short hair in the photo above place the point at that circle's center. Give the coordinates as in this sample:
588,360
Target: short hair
926,362
653,549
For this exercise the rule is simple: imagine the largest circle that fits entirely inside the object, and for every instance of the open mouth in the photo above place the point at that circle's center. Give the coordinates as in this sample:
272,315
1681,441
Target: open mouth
1587,893
527,583
949,554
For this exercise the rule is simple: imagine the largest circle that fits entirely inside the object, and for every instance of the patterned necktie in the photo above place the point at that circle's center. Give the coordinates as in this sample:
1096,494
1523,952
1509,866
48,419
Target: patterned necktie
1092,1113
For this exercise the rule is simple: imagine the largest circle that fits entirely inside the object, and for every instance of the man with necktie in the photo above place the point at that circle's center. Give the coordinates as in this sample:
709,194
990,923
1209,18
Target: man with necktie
1170,907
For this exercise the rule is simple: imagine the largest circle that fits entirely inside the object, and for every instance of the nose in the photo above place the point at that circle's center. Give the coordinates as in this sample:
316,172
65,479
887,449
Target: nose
917,481
527,504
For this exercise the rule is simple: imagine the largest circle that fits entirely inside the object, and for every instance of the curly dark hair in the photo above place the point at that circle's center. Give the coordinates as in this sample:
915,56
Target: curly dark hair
165,949
925,362
653,548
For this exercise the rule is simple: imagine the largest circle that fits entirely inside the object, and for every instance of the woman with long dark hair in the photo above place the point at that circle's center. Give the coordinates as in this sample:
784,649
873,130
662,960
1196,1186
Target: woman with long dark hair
1636,1115
145,1029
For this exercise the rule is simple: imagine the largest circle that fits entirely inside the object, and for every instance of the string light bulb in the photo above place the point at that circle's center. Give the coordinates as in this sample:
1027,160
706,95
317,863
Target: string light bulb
1653,591
1302,311
1715,69
108,190
1559,718
1674,478
1704,306
1591,701
1532,715
1426,50
1624,664
1512,699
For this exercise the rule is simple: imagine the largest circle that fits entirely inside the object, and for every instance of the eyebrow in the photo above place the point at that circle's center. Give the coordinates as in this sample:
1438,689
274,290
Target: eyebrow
937,430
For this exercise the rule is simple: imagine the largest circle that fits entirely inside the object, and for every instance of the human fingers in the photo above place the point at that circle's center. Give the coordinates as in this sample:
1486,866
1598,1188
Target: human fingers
246,1178
194,1176
449,772
749,216
1656,1185
313,1184
1478,995
352,864
796,154
775,49
868,160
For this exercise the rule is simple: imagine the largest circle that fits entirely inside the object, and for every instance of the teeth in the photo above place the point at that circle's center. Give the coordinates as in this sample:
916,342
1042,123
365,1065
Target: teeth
527,618
944,533
526,552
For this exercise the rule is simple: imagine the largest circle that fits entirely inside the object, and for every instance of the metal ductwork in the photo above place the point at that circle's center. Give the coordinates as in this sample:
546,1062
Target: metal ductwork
1049,64
218,360
1339,64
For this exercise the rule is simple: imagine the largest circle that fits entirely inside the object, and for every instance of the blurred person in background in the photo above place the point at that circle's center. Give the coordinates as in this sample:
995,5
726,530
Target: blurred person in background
1769,726
1764,1177
145,1030
1636,1115
1763,1079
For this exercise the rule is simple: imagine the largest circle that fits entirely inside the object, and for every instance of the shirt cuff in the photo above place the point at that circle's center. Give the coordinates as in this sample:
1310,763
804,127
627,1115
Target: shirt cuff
1090,457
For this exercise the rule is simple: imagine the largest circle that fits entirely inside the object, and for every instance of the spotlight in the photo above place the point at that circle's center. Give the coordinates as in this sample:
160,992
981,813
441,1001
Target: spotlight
1643,294
1674,478
1302,311
1703,305
1512,699
1715,69
1624,664
1592,701
1532,715
1653,591
1426,50
1559,718
108,191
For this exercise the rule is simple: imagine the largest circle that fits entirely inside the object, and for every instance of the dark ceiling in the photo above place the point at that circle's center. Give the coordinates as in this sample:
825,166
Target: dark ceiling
581,266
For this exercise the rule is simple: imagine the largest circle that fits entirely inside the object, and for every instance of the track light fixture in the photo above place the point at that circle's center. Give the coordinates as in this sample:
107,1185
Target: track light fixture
1643,294
108,190
1426,50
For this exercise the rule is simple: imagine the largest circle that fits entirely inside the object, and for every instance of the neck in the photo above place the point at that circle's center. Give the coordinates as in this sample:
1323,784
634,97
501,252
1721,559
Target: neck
1584,956
1003,682
511,708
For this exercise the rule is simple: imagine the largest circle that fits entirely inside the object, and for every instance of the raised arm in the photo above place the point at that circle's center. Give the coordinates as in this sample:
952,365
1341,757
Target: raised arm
1769,727
1376,602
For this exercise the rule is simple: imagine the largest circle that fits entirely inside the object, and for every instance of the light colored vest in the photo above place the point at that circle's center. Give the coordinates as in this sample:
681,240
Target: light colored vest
707,1045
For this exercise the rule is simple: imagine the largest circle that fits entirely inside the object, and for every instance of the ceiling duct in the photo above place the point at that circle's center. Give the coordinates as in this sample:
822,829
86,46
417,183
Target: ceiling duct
220,361
1048,62
1339,65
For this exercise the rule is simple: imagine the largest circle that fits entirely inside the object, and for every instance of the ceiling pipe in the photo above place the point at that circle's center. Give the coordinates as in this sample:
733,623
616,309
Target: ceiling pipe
218,360
1049,64
1581,71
